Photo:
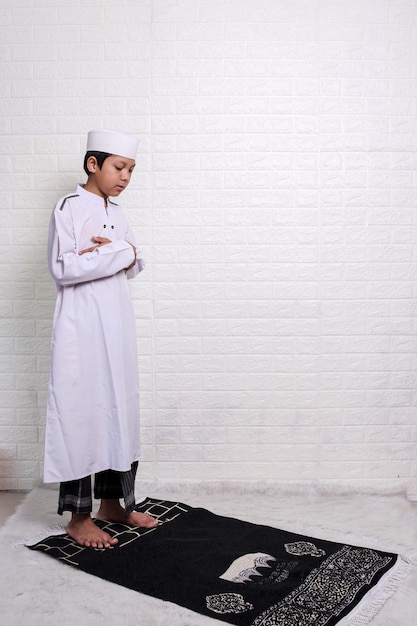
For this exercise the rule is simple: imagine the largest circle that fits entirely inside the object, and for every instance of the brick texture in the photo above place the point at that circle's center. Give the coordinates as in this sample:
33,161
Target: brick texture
275,199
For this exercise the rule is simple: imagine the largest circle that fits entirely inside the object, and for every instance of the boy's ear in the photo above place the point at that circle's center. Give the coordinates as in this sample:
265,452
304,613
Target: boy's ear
92,164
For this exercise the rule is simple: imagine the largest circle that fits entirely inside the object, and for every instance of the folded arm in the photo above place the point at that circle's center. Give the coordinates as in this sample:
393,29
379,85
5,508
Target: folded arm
68,266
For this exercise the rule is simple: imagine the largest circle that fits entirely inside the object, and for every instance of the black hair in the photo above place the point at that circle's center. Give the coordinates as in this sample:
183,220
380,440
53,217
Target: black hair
100,156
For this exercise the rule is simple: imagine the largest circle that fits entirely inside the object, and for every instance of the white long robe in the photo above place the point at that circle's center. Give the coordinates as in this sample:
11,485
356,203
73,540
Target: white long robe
93,393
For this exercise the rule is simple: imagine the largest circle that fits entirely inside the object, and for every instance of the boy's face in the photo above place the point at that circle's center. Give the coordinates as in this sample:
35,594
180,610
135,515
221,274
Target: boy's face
113,177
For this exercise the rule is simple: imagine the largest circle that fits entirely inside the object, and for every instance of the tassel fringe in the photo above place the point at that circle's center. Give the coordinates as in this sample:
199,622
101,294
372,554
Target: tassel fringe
374,600
58,529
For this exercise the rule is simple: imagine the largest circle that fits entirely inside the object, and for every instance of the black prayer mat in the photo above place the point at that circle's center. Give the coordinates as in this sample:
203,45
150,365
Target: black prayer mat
236,571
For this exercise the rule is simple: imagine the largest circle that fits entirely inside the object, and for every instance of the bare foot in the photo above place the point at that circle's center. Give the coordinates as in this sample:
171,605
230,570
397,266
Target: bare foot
85,532
141,520
112,511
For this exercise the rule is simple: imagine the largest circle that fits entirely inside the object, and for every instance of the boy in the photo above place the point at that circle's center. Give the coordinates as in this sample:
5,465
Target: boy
93,394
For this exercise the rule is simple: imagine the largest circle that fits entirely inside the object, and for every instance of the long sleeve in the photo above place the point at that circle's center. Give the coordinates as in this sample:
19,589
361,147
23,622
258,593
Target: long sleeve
140,263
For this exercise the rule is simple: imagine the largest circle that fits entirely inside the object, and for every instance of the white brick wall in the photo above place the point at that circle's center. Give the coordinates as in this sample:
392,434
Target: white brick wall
275,198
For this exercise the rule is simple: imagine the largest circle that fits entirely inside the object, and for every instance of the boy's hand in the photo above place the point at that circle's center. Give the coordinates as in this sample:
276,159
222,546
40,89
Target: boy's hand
101,241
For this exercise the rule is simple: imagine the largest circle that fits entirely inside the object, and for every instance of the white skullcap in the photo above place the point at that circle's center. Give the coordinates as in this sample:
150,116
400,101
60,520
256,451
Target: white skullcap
112,142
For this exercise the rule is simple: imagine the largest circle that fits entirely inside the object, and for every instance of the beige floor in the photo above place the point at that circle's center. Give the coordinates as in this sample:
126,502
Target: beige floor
9,501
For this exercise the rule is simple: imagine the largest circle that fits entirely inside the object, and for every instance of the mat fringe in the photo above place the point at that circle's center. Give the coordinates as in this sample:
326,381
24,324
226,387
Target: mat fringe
58,529
374,600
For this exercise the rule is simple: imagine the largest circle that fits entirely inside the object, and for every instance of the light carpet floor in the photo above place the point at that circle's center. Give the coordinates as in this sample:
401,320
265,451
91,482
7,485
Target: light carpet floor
36,590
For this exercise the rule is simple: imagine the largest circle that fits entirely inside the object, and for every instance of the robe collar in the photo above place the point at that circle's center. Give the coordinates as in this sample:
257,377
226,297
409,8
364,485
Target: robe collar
92,197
